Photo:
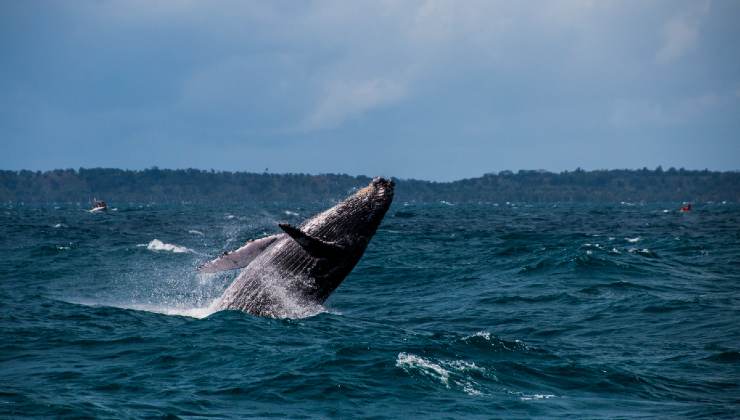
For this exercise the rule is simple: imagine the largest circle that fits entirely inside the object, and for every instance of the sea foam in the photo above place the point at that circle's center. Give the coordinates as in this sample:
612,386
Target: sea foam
157,245
447,372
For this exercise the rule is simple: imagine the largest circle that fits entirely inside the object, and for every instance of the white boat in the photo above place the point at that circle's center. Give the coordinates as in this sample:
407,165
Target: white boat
98,205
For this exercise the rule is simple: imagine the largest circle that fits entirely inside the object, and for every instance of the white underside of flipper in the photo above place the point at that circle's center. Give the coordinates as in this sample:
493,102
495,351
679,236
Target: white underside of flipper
238,258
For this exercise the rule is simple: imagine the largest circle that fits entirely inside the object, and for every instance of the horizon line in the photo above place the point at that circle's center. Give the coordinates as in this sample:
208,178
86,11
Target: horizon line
658,168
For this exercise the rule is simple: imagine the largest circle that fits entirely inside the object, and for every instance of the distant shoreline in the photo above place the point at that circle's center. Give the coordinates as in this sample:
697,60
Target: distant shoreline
194,185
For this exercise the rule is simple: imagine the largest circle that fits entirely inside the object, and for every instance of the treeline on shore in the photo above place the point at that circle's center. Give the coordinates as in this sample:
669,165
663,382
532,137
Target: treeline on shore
204,186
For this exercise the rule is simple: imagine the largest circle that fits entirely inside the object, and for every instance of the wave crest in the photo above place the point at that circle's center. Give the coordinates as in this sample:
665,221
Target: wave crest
455,372
157,245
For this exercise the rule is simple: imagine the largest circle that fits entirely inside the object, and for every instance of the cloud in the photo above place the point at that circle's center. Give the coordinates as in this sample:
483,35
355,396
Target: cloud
421,76
389,51
680,33
346,99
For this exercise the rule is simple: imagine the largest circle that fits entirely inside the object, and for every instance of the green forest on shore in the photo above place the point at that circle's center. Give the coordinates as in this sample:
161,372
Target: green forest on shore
203,186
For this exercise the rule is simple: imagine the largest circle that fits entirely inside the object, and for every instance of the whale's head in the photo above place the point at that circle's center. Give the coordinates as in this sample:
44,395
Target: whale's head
359,215
368,205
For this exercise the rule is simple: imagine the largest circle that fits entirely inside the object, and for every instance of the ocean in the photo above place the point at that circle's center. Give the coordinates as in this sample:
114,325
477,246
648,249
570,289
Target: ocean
491,310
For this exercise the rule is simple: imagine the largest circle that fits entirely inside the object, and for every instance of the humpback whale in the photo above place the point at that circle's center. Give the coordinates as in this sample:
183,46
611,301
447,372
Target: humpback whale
304,264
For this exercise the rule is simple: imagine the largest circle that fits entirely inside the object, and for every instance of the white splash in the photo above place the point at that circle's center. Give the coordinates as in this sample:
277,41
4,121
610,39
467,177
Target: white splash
483,334
198,312
633,240
195,232
463,366
290,213
157,245
288,305
445,371
536,397
407,361
59,225
192,312
292,307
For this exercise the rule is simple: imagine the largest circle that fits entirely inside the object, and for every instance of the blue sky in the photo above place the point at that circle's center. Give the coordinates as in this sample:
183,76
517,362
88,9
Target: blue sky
435,90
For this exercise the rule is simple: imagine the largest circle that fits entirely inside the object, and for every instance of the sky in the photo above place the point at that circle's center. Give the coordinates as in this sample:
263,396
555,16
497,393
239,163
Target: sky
436,90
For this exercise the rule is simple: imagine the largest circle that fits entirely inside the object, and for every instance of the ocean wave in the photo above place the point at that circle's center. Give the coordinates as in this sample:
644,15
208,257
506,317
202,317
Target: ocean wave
450,373
592,258
485,337
644,252
725,357
49,250
601,261
157,245
517,299
411,362
488,344
621,285
192,312
667,306
525,397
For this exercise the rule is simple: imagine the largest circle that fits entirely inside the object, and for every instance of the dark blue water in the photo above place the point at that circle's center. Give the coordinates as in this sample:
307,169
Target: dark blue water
454,311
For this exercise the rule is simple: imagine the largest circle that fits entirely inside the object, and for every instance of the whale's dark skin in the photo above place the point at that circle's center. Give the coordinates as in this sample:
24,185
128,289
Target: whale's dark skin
304,265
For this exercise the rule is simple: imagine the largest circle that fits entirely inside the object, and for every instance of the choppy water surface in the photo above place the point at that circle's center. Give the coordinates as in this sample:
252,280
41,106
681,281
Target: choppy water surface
455,310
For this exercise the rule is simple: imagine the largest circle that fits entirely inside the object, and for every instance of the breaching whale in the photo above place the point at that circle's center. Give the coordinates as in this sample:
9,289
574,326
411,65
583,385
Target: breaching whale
302,266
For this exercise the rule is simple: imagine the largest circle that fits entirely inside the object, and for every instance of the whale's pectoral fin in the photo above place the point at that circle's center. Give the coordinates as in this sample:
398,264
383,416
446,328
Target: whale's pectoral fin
316,247
238,258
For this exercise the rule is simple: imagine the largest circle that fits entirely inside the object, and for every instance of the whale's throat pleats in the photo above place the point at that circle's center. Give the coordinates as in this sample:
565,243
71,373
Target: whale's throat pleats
316,247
